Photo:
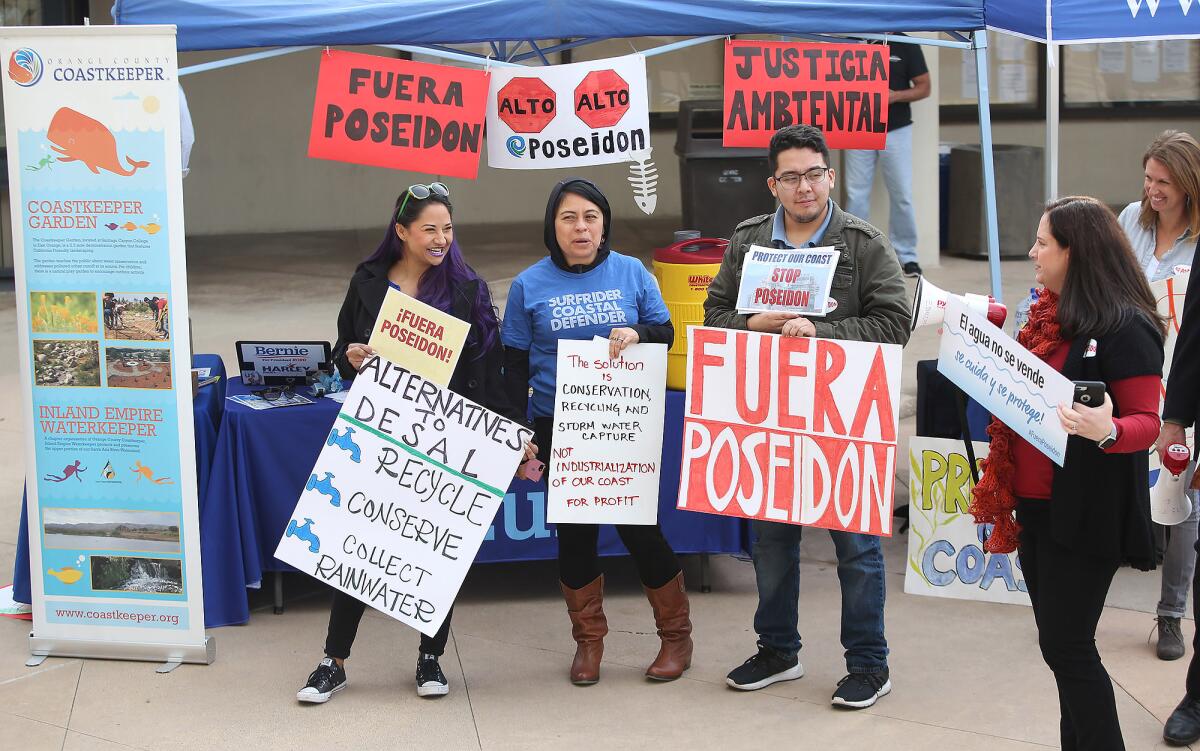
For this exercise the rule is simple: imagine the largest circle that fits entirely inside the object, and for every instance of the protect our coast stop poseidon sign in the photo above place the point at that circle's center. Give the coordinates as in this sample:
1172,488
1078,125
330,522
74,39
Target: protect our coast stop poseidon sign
92,123
402,494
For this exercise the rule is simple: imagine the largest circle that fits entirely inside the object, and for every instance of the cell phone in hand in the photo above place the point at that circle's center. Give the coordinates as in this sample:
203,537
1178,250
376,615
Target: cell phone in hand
1089,393
534,469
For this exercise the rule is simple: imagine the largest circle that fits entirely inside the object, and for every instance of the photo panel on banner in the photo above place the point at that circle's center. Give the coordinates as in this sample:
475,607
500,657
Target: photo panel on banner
797,430
93,136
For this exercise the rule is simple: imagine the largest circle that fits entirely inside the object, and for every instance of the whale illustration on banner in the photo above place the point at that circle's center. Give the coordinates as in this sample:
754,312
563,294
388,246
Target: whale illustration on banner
81,138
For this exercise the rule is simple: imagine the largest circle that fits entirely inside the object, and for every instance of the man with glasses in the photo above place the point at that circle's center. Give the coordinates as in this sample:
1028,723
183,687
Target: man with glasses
868,302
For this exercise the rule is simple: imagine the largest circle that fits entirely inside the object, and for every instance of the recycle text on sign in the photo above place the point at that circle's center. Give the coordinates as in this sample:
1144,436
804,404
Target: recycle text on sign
602,98
527,105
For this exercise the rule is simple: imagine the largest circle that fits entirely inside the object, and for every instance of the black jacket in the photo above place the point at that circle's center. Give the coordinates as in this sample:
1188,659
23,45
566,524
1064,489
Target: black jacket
1183,383
478,378
1100,503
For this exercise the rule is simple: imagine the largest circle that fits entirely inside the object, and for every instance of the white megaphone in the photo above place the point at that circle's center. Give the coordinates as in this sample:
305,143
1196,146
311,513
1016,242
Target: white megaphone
929,305
1169,503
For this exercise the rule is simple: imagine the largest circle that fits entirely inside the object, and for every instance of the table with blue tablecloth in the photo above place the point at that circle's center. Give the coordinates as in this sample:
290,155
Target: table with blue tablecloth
208,409
263,459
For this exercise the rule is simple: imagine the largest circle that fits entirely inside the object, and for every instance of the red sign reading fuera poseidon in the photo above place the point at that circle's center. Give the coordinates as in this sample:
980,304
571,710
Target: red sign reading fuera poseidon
791,429
840,88
399,114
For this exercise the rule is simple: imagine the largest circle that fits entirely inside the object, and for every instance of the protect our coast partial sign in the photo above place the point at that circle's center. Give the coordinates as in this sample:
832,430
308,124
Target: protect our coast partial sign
945,545
402,494
1011,382
418,336
840,88
791,429
93,134
608,433
575,115
791,281
399,114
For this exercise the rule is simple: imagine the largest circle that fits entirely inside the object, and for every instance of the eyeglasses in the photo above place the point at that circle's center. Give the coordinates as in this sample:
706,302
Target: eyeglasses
273,393
791,180
421,192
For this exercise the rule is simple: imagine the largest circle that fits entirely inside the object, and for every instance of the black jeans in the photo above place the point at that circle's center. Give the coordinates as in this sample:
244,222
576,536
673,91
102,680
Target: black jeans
344,616
578,564
1067,589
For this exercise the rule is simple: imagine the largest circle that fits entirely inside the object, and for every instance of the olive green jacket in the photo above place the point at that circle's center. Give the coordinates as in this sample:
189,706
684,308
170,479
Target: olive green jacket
868,288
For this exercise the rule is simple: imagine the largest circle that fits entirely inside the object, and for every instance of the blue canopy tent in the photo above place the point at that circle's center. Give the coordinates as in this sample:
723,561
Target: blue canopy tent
1058,22
512,26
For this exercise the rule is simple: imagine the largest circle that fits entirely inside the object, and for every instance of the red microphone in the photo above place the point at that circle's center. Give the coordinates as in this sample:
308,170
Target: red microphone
1176,458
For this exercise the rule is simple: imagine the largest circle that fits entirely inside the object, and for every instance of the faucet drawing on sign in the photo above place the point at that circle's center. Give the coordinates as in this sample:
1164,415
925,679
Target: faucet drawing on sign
324,486
304,533
346,442
68,471
143,471
84,139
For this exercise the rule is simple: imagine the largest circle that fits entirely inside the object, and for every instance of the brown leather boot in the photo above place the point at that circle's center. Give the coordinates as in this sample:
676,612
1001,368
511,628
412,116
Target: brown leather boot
671,615
585,606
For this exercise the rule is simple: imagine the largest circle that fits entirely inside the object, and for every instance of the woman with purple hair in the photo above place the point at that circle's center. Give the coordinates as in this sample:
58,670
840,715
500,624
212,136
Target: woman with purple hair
419,257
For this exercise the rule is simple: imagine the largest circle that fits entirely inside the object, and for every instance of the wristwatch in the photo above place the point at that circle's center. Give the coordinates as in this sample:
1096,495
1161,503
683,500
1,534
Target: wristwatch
1109,439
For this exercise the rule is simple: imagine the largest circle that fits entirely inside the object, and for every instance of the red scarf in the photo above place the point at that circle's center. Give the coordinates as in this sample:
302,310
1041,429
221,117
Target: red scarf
993,500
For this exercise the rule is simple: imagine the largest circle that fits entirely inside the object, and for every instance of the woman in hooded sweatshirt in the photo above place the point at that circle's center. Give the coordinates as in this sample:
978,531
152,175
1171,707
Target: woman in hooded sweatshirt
581,290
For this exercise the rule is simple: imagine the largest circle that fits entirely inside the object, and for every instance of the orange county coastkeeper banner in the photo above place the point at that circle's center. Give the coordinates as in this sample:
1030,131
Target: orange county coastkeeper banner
596,112
945,552
418,336
402,494
840,88
93,134
398,114
791,429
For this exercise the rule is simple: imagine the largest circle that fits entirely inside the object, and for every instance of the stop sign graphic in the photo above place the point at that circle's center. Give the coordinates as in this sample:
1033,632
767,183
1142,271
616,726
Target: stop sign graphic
602,98
526,105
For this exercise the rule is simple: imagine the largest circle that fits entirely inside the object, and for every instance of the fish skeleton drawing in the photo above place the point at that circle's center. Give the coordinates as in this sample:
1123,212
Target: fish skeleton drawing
80,138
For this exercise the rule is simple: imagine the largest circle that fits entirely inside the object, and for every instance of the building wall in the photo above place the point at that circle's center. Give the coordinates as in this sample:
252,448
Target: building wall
1101,158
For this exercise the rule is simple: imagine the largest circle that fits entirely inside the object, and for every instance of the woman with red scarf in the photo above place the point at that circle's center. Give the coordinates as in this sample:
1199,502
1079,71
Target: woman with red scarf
1075,525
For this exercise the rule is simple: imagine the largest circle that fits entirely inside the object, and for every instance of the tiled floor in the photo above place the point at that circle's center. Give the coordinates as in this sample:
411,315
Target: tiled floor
966,676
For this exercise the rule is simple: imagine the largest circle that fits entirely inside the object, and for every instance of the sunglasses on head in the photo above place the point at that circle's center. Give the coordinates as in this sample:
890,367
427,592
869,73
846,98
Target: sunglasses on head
421,192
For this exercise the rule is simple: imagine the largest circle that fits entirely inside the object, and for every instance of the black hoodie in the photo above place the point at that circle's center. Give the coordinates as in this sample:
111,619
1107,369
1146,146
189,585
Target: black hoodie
516,361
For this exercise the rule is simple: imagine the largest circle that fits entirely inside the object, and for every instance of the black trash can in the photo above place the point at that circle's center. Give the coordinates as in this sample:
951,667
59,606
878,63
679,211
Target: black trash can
719,187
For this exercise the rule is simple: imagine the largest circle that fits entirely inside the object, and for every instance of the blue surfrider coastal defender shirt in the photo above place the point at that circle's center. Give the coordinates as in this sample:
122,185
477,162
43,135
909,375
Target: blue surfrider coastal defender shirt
546,304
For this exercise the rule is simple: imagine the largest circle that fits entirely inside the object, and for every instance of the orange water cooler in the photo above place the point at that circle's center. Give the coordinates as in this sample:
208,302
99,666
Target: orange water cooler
684,270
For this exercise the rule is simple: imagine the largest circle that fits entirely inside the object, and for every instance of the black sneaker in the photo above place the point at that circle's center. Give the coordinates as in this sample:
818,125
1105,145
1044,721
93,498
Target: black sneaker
912,268
861,690
767,667
430,679
1170,638
324,682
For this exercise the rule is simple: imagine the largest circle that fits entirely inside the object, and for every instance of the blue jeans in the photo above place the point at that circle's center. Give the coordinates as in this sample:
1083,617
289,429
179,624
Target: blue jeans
896,161
1179,562
776,552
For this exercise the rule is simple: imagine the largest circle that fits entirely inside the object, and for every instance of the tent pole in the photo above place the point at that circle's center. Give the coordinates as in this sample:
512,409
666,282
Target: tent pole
989,170
1052,116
